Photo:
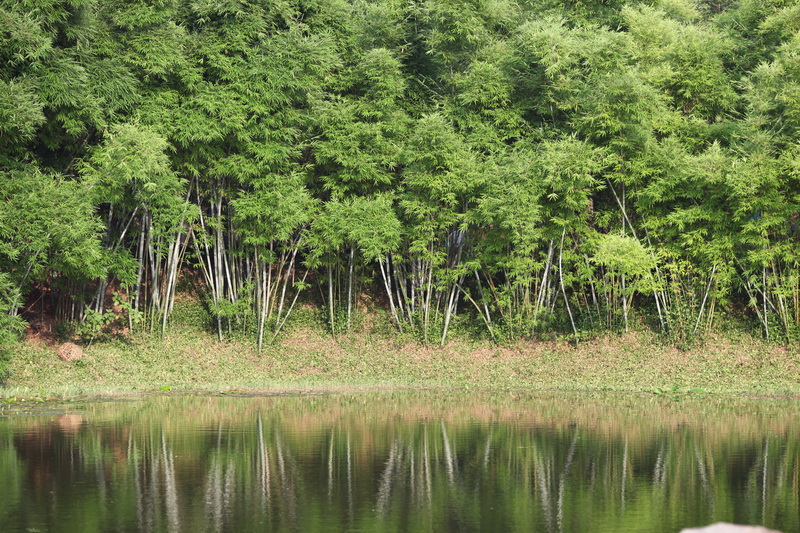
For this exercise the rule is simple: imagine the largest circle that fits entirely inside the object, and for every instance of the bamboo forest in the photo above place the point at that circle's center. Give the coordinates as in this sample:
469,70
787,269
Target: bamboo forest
530,167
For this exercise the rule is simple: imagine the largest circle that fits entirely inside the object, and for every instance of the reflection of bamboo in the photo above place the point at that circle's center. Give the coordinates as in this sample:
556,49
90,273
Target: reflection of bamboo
287,484
703,471
385,484
140,504
658,492
427,469
263,454
542,474
487,449
130,445
764,482
214,484
152,494
786,482
701,468
412,472
349,482
171,499
214,492
562,481
229,492
780,481
624,473
448,456
330,469
659,475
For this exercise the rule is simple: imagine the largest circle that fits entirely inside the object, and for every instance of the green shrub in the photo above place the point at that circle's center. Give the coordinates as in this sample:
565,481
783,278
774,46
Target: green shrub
11,328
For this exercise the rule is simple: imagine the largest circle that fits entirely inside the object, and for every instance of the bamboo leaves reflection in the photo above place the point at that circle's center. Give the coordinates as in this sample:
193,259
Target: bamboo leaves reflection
394,462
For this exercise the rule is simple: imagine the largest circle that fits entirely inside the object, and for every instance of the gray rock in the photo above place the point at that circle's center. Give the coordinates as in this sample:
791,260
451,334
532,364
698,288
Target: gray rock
723,527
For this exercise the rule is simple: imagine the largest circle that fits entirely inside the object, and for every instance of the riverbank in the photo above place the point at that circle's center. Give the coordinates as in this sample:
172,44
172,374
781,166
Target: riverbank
306,359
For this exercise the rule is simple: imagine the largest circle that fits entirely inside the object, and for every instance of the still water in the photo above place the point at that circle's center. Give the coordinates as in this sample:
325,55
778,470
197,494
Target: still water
400,461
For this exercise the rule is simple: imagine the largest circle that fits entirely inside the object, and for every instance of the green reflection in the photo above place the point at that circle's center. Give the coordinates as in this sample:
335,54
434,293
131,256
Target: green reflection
402,461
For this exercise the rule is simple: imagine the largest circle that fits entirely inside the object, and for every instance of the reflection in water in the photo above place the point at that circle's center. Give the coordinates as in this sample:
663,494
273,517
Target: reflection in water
402,462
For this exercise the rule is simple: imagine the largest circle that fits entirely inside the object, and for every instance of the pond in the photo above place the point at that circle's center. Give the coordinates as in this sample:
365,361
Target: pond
401,461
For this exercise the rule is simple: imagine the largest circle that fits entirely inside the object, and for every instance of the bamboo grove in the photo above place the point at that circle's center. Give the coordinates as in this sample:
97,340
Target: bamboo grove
533,167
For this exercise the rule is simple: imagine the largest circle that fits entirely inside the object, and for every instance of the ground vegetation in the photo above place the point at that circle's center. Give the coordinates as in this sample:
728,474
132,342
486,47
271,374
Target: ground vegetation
534,169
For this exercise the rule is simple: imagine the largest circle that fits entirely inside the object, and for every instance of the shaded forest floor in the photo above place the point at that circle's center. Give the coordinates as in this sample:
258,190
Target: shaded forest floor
306,358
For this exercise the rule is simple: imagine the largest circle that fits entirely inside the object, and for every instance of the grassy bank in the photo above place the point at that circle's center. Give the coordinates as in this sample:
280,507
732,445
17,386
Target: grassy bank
305,359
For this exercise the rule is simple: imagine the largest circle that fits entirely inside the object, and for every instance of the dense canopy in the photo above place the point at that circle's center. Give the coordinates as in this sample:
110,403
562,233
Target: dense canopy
529,166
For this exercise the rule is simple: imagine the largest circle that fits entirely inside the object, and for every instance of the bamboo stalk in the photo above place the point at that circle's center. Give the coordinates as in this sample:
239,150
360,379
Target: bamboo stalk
350,286
563,290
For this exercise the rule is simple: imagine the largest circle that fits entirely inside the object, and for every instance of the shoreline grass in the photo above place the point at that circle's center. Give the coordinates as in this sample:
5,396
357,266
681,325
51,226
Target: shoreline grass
191,361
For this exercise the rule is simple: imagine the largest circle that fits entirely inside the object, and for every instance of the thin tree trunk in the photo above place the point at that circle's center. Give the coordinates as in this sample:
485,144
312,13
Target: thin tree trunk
449,306
286,278
624,304
263,302
705,297
563,290
401,280
350,286
764,294
330,299
387,286
173,264
289,311
428,298
219,251
485,305
543,285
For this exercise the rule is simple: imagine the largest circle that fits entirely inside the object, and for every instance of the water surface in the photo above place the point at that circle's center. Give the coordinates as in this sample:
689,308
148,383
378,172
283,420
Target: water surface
401,461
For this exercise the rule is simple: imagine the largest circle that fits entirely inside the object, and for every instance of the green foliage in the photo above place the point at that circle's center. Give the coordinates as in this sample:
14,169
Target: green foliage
20,113
528,166
47,223
11,325
276,208
109,323
132,169
192,314
625,255
369,225
94,324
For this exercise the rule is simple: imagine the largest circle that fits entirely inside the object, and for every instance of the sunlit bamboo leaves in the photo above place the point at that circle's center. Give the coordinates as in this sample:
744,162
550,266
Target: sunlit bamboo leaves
503,163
